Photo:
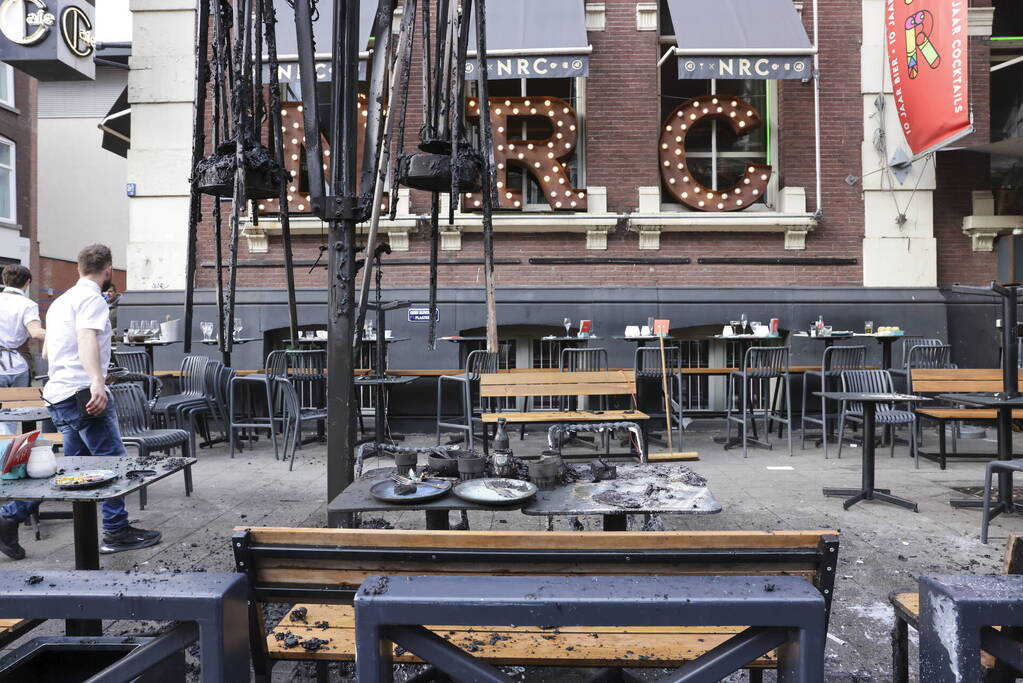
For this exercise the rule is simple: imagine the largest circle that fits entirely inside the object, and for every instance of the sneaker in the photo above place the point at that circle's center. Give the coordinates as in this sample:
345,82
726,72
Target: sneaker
128,538
9,545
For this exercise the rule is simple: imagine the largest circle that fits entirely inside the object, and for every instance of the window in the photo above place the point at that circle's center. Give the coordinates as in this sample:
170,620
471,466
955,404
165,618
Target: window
1007,104
6,85
715,154
7,182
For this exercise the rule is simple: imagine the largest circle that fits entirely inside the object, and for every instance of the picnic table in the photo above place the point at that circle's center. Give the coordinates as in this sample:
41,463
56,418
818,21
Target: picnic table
627,497
867,490
27,415
134,474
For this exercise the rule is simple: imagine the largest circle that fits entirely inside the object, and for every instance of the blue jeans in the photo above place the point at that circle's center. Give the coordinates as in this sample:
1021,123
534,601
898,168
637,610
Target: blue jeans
6,380
83,435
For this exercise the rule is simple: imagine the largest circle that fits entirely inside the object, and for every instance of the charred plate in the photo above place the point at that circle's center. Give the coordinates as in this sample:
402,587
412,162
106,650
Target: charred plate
425,490
494,491
432,172
214,175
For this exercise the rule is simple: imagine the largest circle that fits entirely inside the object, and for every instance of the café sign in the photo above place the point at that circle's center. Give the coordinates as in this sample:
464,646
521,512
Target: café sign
747,68
51,40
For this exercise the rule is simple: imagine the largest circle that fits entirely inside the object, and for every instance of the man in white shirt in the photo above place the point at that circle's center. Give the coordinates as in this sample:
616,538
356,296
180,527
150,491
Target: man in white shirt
19,322
78,349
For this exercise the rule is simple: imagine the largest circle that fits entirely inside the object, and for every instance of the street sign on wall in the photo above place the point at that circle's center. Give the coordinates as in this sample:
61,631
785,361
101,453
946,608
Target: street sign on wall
928,48
52,40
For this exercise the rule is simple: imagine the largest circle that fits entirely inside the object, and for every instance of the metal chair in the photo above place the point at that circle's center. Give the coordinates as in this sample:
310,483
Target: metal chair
759,364
196,416
138,363
193,387
135,424
908,343
304,392
874,382
1009,466
476,363
276,366
835,360
647,365
583,360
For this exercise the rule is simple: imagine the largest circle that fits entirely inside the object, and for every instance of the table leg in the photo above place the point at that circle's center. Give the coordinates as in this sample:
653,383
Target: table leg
1005,502
86,530
437,520
867,490
886,355
616,522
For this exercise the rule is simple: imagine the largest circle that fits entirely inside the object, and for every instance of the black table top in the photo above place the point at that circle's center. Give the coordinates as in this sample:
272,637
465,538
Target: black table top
150,470
984,400
823,337
357,498
870,397
148,342
239,340
373,380
23,414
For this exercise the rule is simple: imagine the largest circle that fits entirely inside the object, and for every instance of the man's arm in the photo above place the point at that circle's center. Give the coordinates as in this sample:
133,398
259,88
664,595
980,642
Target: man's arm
88,352
35,330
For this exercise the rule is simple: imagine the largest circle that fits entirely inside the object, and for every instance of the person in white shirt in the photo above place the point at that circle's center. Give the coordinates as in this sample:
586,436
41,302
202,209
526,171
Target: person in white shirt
78,349
19,322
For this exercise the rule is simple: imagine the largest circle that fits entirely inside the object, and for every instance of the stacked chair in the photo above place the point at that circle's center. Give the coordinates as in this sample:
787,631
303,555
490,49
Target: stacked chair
135,423
761,364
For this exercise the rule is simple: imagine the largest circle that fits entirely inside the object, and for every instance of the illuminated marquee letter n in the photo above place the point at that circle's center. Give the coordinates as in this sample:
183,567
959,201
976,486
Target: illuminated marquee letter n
675,171
543,159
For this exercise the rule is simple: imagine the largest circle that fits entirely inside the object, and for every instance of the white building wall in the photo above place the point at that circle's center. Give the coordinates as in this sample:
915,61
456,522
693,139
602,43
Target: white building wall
160,91
894,254
91,205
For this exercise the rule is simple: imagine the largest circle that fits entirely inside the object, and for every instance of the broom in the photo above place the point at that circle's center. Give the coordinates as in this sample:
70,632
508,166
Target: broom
671,455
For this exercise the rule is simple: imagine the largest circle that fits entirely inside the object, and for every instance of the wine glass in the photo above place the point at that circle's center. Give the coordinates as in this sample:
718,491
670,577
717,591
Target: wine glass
207,330
237,328
153,328
568,325
133,329
745,323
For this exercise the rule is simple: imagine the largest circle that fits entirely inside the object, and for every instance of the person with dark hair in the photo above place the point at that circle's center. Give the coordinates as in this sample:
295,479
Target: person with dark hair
19,322
78,350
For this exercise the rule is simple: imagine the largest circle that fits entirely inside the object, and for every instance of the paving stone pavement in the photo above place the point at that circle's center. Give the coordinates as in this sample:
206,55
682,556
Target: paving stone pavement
883,548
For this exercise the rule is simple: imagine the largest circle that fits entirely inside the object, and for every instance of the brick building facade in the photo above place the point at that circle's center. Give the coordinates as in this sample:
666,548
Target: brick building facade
854,252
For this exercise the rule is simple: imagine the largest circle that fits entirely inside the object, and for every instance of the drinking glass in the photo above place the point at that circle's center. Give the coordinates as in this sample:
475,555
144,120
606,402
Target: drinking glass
133,329
154,328
237,328
868,327
745,323
207,330
568,325
735,327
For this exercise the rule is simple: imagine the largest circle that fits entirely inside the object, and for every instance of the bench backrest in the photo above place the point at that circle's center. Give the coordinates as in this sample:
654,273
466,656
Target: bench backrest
540,383
956,380
1014,555
328,565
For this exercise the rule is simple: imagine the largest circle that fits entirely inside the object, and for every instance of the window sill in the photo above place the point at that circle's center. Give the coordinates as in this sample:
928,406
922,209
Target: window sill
984,227
794,226
11,108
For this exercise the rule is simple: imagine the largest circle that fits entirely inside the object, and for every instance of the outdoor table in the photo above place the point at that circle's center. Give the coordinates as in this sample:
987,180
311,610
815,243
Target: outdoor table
886,341
83,503
357,498
867,490
645,339
148,345
234,342
383,383
957,614
28,417
828,340
1004,406
629,491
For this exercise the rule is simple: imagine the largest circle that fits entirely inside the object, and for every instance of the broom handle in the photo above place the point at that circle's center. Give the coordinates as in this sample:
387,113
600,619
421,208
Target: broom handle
667,400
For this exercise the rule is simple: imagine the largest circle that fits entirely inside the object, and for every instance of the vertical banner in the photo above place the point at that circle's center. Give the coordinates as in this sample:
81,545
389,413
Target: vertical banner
928,49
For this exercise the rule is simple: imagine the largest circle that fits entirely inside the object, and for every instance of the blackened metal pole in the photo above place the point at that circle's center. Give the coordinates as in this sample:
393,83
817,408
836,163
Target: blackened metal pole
489,175
307,80
277,136
202,79
341,269
220,131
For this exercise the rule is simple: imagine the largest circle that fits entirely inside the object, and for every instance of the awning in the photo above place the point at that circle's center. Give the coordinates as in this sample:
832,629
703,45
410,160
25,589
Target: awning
287,41
533,39
1011,147
746,39
116,126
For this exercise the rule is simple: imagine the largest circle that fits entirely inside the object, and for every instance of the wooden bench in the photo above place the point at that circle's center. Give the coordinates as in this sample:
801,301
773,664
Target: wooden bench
12,629
907,613
320,570
956,381
56,438
555,383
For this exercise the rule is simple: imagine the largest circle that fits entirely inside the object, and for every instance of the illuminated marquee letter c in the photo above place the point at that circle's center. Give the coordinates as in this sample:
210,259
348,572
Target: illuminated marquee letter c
675,172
